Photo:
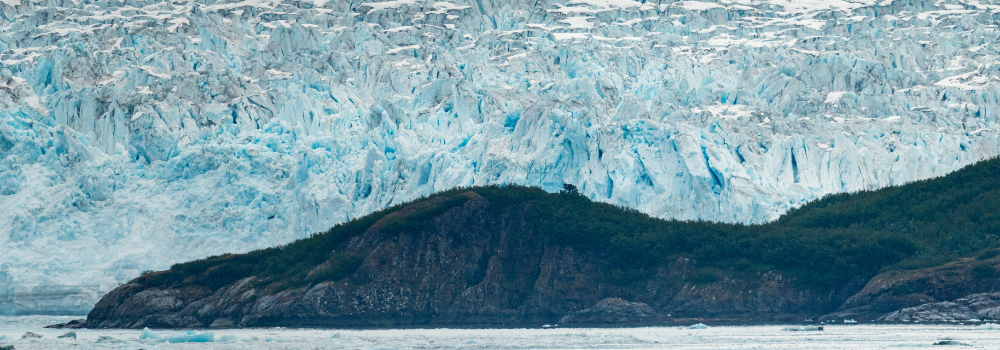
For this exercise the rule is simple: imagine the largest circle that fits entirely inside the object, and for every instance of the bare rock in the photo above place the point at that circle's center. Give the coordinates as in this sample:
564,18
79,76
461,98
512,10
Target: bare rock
978,306
611,311
74,324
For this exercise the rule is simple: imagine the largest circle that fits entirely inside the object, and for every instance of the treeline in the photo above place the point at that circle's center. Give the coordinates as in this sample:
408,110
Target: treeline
823,244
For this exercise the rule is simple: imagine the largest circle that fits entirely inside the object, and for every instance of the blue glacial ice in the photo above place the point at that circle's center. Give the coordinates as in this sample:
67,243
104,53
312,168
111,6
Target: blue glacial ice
136,134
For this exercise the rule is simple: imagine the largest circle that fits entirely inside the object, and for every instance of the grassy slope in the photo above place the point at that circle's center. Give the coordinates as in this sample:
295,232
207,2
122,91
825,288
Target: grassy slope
824,243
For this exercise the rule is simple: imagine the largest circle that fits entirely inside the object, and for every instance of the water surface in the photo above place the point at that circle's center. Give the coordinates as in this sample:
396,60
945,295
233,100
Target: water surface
729,337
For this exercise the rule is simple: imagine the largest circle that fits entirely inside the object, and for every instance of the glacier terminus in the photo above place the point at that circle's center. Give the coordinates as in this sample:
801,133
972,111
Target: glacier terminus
140,133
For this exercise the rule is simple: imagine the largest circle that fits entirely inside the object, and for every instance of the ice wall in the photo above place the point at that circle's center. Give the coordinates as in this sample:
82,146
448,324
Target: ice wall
137,134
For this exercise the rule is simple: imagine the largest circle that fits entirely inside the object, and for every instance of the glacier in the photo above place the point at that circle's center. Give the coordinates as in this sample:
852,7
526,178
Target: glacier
140,133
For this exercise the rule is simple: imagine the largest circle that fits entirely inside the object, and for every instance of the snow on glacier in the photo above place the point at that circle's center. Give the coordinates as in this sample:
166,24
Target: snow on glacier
138,134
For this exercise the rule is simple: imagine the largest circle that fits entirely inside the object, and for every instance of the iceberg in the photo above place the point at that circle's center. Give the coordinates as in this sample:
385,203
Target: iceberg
192,337
148,334
138,134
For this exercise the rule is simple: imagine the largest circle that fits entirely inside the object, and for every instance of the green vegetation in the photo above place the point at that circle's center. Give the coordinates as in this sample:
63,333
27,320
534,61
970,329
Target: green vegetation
824,244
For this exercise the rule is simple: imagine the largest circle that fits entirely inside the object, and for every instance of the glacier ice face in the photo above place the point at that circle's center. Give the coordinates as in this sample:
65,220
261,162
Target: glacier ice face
135,134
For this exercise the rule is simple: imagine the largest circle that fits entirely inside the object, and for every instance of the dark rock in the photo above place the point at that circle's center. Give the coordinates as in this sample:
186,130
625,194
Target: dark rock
611,311
976,306
951,342
472,265
885,296
6,347
222,323
74,324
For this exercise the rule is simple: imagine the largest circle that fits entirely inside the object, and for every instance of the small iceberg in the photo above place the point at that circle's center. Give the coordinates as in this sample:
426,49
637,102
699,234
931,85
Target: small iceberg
803,329
31,335
148,334
697,326
192,337
107,340
4,337
186,337
988,326
851,321
67,335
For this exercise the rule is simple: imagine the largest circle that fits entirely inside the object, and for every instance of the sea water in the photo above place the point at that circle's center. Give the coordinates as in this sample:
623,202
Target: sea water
837,336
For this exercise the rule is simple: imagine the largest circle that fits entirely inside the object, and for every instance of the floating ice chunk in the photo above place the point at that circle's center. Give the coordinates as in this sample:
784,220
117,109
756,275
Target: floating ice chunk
803,329
988,326
4,337
148,334
31,335
228,338
67,335
335,335
192,337
698,326
851,321
106,339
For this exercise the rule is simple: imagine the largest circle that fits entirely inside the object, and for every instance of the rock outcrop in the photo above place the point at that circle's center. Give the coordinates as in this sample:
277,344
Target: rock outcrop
611,311
474,267
983,306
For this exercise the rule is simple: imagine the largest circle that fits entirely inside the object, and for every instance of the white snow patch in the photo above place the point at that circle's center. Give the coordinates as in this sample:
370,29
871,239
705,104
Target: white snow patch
726,111
578,22
375,6
699,6
607,3
570,36
401,49
834,96
177,22
398,29
967,81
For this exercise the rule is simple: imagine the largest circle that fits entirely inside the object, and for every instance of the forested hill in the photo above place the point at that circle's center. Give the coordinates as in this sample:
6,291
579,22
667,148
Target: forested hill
517,243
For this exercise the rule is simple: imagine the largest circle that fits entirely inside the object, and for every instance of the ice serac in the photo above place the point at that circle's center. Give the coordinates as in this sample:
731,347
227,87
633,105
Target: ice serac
141,133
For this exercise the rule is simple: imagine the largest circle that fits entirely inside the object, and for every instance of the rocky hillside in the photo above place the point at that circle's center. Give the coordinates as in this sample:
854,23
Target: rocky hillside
512,256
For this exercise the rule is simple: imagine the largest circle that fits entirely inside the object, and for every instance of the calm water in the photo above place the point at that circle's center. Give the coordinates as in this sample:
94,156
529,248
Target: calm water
752,337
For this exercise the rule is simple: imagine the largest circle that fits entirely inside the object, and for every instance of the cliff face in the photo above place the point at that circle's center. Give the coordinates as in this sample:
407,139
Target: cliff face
471,266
